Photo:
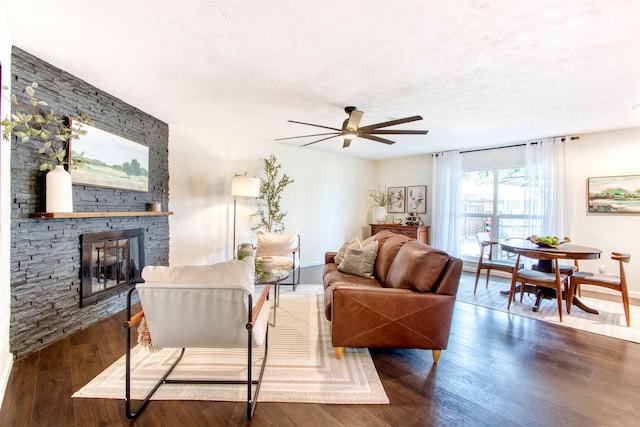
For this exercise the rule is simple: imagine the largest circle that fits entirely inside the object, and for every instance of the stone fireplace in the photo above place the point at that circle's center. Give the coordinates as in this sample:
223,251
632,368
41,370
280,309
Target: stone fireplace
111,260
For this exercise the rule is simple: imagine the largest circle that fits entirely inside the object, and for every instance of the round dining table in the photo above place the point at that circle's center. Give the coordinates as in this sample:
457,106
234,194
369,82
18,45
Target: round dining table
569,250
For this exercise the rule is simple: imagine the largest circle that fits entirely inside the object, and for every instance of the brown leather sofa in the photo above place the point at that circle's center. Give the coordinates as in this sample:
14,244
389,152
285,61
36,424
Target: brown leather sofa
407,304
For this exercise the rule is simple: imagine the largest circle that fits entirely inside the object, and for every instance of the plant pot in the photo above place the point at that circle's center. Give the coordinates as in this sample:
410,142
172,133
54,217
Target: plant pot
59,194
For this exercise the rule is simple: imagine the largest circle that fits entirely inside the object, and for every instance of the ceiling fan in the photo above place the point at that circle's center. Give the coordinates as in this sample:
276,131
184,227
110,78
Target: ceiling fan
351,129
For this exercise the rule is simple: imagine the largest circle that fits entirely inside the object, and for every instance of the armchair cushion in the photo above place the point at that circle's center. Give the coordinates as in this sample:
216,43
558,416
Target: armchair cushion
276,244
236,272
201,305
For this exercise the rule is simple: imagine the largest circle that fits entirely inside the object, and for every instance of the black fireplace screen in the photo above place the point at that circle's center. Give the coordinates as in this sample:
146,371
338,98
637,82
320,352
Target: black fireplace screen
109,260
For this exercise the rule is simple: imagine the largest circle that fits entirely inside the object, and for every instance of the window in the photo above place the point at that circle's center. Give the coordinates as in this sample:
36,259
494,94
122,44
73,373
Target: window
492,201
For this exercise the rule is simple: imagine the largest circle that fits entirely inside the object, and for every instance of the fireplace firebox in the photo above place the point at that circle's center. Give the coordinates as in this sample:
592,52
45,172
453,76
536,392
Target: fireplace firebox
111,260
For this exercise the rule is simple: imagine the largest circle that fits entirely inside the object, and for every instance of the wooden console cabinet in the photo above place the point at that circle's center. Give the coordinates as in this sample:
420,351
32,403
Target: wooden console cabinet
420,232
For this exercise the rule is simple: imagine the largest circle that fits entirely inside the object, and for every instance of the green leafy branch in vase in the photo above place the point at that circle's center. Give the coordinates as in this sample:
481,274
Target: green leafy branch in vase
30,123
269,215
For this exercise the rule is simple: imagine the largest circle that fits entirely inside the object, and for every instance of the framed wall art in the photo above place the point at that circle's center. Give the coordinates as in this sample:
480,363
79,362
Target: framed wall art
614,194
102,159
417,199
396,199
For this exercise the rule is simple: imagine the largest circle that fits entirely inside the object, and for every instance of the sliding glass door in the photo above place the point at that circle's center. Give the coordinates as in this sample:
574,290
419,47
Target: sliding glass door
492,202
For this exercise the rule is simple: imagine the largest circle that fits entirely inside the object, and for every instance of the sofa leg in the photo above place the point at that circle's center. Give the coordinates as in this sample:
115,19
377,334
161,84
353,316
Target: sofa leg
339,352
436,355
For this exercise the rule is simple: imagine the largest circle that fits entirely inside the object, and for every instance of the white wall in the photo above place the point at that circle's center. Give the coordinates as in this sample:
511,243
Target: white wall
5,217
608,154
326,204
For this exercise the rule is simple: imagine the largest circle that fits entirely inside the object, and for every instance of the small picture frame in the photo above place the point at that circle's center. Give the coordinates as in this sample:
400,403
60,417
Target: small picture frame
396,199
417,199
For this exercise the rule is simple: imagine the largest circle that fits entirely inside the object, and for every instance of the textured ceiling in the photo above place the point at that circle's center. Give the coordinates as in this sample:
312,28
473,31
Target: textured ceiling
481,73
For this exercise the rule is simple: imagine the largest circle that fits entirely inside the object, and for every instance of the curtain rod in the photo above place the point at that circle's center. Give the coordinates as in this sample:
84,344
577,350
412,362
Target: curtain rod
573,138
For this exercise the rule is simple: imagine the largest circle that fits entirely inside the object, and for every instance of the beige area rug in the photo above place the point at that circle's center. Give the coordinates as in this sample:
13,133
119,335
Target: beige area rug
610,321
301,364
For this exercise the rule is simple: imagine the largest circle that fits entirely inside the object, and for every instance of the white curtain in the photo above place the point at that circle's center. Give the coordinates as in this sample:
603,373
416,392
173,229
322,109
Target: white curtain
549,168
447,175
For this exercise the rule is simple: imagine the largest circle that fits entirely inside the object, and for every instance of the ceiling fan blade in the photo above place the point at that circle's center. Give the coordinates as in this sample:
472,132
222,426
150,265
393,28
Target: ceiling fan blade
354,121
391,123
311,124
307,136
323,139
375,138
394,132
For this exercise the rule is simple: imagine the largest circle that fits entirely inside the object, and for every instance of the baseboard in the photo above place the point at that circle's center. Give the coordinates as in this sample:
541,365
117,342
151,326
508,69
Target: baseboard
311,264
6,365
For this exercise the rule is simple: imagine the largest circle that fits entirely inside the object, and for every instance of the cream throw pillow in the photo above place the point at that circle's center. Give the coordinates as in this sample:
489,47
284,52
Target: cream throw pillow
351,243
360,261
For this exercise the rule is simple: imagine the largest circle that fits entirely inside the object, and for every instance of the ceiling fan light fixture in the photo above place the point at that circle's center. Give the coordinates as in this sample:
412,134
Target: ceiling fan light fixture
350,135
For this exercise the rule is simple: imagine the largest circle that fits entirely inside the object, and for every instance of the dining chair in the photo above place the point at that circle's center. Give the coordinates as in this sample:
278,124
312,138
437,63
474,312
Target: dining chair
616,283
554,280
488,263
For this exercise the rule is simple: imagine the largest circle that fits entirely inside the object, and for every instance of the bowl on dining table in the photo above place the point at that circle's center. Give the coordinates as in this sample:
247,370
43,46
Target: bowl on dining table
547,243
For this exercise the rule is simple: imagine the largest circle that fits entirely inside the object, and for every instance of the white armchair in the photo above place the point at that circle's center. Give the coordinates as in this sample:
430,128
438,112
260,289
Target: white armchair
208,306
285,250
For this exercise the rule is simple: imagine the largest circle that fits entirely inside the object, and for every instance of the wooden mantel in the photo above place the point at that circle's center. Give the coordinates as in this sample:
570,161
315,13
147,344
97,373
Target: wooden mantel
61,215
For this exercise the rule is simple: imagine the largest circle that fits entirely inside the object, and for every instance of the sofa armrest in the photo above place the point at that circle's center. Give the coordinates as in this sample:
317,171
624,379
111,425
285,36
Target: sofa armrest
390,318
329,257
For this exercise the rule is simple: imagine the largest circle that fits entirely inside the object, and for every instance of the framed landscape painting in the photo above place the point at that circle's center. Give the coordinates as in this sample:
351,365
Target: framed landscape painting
614,194
417,199
102,159
396,199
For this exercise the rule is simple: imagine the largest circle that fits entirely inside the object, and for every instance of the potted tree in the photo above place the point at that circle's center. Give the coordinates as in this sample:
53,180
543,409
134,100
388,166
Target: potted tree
30,123
269,214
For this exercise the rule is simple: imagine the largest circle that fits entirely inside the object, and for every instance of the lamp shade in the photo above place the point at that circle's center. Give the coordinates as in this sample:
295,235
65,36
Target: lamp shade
245,186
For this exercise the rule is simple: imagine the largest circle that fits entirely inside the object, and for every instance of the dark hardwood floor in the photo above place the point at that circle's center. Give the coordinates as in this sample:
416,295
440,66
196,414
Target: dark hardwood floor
499,370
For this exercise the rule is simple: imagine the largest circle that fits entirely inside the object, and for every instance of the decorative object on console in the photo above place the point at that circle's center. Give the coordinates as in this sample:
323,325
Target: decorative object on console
242,186
417,199
381,199
396,199
270,217
412,219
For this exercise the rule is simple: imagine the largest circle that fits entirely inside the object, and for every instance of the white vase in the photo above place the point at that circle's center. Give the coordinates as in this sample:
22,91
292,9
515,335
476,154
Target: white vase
59,194
380,214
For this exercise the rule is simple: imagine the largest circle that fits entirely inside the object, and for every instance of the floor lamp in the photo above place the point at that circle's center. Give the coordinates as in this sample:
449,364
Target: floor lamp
242,186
